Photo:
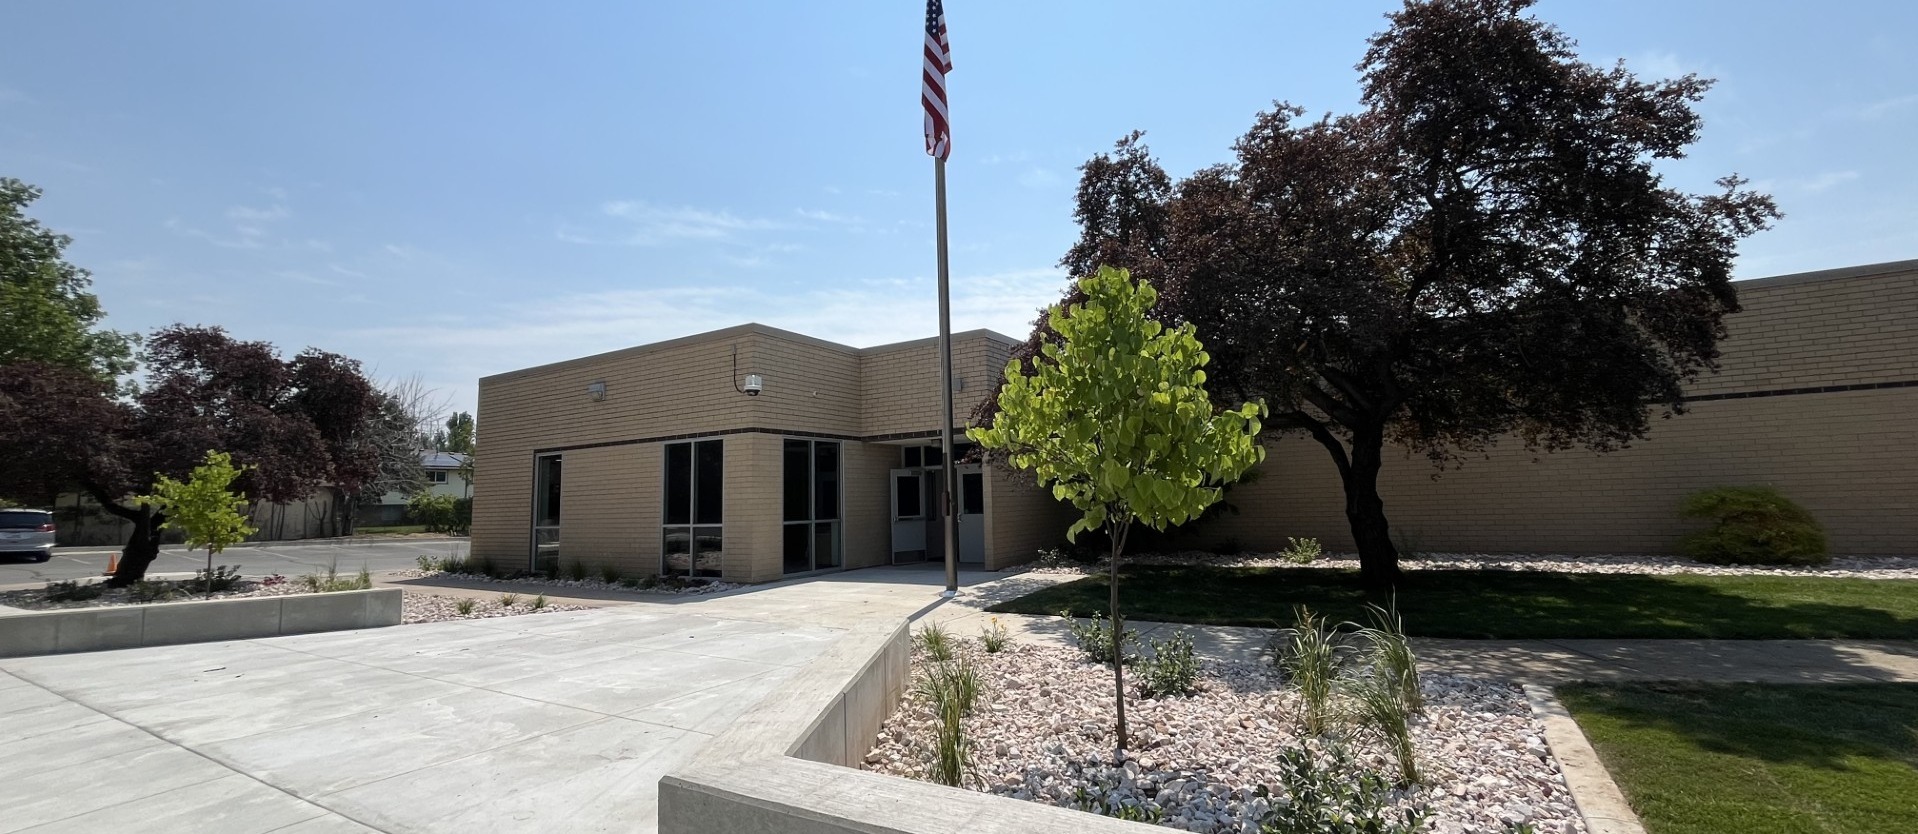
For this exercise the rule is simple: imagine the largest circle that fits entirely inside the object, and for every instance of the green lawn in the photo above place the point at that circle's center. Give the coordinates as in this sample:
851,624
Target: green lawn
1758,759
1511,604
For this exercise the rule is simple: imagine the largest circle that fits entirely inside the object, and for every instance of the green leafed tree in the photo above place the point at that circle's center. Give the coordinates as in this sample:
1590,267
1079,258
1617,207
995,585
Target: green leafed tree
46,313
1115,418
205,507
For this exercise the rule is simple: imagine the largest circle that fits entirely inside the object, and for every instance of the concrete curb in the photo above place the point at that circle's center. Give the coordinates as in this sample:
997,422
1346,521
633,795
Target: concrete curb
1598,798
196,621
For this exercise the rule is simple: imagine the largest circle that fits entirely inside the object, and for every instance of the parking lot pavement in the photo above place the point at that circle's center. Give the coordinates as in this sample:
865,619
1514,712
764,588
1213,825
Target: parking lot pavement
287,558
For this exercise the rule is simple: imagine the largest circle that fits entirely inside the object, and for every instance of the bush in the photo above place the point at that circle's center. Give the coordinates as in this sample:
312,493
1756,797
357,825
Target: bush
441,513
150,590
224,578
1302,551
1340,797
1171,669
1094,637
70,591
1753,526
934,640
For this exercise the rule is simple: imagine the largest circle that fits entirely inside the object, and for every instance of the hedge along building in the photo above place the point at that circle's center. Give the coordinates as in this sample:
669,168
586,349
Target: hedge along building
654,457
748,453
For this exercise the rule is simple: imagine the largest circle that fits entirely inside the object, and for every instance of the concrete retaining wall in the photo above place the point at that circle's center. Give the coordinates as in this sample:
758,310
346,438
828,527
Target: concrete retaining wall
199,621
785,766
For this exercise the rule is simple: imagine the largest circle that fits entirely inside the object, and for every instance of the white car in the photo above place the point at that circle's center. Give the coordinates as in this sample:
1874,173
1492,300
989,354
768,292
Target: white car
28,532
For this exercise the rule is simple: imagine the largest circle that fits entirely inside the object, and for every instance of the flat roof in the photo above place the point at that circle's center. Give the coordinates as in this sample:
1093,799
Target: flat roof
738,330
1861,271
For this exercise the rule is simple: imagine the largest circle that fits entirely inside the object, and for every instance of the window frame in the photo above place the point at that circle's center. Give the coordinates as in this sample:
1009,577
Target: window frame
812,521
692,527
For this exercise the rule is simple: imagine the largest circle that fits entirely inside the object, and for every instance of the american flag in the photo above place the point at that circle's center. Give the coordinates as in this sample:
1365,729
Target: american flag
932,91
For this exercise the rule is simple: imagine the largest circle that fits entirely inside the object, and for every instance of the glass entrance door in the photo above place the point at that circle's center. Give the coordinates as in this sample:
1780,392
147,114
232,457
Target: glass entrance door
546,494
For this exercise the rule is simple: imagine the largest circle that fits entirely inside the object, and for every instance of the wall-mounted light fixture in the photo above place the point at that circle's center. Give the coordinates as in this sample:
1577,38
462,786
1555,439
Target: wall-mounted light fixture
754,382
597,391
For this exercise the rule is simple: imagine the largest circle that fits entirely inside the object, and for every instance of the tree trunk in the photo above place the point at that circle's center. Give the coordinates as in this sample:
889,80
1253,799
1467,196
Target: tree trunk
1118,532
142,547
1365,512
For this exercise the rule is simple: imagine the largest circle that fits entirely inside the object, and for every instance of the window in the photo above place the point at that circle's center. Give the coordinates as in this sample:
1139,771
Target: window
810,484
546,495
972,493
437,476
692,541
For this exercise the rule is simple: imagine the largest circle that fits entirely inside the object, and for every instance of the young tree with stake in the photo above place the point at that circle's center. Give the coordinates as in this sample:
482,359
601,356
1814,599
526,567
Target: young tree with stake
204,507
1114,416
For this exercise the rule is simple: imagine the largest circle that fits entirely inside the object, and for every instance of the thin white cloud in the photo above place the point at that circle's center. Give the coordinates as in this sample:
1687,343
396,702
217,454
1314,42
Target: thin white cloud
1827,180
639,223
827,216
1886,107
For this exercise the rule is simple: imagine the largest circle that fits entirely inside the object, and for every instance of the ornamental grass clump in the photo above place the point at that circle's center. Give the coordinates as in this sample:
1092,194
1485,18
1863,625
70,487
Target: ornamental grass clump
1312,656
936,643
1378,703
1391,654
951,690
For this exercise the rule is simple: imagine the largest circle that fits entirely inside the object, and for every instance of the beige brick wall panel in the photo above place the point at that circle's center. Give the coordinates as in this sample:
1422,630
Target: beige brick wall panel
1021,518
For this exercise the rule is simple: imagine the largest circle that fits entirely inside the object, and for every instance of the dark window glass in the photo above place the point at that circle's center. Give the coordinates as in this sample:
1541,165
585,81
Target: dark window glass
934,455
709,457
676,551
709,551
972,493
679,483
797,479
912,457
825,544
825,489
798,540
24,520
547,513
907,487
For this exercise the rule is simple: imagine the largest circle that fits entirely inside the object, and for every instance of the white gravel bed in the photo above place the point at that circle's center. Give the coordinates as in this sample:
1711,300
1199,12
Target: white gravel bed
35,599
1863,567
417,607
700,587
1042,731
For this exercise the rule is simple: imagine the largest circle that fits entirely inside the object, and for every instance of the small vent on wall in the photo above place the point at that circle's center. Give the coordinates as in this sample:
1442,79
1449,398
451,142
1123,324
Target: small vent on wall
597,391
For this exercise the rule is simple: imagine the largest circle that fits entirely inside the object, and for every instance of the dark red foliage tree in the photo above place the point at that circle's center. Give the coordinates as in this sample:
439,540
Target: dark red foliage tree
297,424
1484,250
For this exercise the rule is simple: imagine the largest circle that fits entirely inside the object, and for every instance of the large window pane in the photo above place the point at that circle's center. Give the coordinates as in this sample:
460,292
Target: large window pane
709,482
676,551
679,483
547,491
972,493
825,547
709,551
798,544
797,479
825,481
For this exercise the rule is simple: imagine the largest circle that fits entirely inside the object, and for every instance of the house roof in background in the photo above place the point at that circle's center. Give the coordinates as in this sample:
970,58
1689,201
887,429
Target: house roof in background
442,460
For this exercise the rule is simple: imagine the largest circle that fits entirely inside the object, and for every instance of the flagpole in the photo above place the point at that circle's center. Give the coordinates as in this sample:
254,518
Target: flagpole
951,471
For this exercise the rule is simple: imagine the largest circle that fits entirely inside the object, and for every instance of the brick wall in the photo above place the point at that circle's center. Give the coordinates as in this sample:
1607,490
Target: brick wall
1851,457
1021,518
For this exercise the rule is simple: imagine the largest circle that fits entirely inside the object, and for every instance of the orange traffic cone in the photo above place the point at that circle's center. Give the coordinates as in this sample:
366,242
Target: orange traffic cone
113,564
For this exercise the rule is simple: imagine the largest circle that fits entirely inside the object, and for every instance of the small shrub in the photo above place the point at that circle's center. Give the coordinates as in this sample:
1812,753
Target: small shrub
150,590
71,591
994,637
934,640
1311,656
1301,551
437,512
1340,797
223,578
1104,803
430,564
609,574
465,605
331,581
1170,669
1753,526
576,571
539,602
508,600
1094,637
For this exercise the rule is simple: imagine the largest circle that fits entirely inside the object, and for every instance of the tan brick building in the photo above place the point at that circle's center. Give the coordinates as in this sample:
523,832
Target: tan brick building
655,457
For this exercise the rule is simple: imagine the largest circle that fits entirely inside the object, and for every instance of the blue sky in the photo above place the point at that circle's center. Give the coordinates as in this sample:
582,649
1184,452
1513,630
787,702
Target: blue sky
460,188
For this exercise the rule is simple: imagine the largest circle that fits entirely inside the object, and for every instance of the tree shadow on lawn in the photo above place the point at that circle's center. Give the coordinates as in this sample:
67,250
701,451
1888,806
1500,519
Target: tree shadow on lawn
1511,605
1828,726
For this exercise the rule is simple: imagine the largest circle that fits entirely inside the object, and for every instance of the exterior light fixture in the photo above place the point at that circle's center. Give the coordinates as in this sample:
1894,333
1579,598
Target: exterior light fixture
597,391
754,382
